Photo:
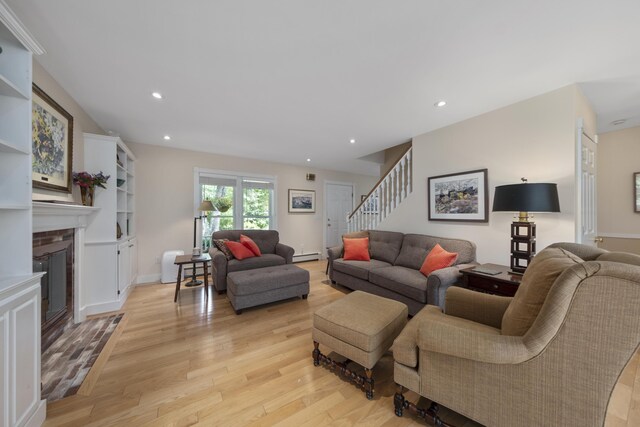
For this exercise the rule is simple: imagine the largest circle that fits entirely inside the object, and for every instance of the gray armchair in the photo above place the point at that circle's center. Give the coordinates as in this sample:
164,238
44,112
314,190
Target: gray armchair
273,253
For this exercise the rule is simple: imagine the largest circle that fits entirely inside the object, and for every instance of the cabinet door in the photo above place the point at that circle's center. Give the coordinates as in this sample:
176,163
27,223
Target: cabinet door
123,268
133,260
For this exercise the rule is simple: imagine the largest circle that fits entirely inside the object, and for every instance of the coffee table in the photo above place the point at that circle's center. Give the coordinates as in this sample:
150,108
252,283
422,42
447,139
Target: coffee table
189,259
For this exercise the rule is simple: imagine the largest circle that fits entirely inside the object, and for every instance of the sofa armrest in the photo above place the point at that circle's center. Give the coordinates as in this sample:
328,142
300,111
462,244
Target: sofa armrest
334,252
285,252
440,280
476,306
218,269
437,335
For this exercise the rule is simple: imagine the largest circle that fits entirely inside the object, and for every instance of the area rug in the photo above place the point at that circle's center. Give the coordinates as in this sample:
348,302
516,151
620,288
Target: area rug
66,363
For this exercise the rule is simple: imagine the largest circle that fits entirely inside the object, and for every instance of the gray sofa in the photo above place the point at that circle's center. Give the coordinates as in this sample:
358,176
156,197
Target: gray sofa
394,269
273,253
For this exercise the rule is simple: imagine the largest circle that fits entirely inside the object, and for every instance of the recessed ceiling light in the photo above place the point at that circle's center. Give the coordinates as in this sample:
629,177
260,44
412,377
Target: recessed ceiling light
353,141
157,95
167,137
308,160
618,122
440,104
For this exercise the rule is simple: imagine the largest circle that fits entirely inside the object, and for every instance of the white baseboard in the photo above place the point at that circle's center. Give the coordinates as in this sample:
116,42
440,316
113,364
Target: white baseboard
38,417
149,278
311,256
103,307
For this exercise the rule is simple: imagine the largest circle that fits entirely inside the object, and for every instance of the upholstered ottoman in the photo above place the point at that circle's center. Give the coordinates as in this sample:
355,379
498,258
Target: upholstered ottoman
264,285
360,327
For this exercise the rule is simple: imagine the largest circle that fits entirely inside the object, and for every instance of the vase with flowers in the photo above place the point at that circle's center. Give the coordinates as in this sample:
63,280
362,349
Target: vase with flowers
88,183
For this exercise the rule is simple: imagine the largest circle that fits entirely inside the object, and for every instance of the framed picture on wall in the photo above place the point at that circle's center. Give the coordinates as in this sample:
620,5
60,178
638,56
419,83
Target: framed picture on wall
636,186
459,196
52,143
302,201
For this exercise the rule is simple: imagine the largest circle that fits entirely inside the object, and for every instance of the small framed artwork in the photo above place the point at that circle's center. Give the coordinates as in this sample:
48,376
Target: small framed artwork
52,143
302,201
636,186
459,197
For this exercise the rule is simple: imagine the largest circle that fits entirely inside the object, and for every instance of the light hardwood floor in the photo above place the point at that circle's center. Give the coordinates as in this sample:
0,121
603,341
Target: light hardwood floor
197,363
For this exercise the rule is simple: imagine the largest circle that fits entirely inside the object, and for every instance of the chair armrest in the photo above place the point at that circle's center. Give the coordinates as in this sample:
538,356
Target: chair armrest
437,335
219,269
285,252
476,306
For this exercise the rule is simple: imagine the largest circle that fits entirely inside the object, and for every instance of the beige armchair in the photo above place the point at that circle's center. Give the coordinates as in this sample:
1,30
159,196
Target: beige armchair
558,368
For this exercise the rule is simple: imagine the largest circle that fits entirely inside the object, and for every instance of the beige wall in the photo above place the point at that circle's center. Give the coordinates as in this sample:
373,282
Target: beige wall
81,123
164,199
533,138
618,159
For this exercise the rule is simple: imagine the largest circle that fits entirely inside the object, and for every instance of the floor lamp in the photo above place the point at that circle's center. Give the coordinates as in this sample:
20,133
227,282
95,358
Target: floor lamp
525,198
205,206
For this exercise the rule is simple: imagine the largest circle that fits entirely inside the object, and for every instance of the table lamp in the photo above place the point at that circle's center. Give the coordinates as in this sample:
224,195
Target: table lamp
525,198
205,206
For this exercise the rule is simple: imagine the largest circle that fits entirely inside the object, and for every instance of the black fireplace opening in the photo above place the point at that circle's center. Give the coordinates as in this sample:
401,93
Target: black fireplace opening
53,255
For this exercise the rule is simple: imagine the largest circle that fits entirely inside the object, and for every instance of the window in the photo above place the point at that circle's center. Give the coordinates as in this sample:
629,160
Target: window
239,201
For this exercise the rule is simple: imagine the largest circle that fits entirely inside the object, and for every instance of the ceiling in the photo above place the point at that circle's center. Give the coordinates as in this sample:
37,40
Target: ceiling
287,80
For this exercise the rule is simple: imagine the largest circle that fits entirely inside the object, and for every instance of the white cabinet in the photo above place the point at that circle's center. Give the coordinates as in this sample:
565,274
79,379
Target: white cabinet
110,238
20,403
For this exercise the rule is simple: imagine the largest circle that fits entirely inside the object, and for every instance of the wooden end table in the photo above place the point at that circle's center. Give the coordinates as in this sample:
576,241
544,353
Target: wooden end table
188,259
503,283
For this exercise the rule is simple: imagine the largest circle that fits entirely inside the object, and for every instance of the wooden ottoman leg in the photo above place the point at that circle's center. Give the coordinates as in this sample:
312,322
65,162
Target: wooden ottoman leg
316,354
398,400
368,385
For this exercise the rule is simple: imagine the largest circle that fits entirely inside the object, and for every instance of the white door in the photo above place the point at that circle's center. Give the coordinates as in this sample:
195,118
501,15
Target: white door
339,204
587,218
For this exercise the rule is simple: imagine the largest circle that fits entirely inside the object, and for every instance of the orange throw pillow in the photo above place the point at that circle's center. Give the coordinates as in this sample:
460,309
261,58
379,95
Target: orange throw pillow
239,250
356,249
436,259
250,244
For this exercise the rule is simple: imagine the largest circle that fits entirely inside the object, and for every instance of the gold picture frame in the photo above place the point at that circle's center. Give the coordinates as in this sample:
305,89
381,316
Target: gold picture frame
52,143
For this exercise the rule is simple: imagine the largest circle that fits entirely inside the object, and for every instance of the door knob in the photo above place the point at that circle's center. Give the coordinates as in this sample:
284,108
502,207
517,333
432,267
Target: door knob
598,240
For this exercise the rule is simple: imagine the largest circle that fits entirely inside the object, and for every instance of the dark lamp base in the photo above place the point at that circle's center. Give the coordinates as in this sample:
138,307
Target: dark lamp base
193,282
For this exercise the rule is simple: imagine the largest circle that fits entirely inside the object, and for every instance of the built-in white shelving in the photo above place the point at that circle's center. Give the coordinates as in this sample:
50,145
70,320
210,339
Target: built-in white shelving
20,303
111,261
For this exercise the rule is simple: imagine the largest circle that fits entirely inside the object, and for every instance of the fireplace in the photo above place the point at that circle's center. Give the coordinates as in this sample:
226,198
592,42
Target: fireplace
53,253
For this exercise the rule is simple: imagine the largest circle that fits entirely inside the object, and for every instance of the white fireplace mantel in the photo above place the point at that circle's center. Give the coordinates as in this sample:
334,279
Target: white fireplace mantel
58,216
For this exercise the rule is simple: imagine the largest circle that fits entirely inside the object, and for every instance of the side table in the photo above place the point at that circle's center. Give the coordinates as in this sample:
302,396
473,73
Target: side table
189,259
503,283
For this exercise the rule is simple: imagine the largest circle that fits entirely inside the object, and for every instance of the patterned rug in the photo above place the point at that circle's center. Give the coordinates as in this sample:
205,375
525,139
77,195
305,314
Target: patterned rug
66,363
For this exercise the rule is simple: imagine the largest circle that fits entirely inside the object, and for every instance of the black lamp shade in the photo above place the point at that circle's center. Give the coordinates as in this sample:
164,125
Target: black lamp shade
526,198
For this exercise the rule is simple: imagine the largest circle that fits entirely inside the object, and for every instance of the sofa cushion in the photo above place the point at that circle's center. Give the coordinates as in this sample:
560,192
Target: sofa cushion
415,248
219,243
265,239
436,259
405,281
356,249
385,245
266,260
359,269
538,279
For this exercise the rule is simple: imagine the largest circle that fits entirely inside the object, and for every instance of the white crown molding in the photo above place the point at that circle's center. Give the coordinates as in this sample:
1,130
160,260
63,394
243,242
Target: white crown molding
17,28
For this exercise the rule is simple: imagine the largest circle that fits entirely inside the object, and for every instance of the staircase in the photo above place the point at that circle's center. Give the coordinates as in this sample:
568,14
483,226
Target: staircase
386,195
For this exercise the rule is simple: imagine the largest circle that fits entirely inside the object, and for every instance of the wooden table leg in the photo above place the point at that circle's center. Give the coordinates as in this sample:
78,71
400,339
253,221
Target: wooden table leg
206,280
175,297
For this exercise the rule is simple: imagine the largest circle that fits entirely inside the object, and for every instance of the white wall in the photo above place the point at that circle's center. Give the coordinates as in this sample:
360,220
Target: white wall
534,138
164,199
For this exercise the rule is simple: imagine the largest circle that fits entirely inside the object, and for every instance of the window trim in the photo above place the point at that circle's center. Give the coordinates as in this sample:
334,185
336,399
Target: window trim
238,207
